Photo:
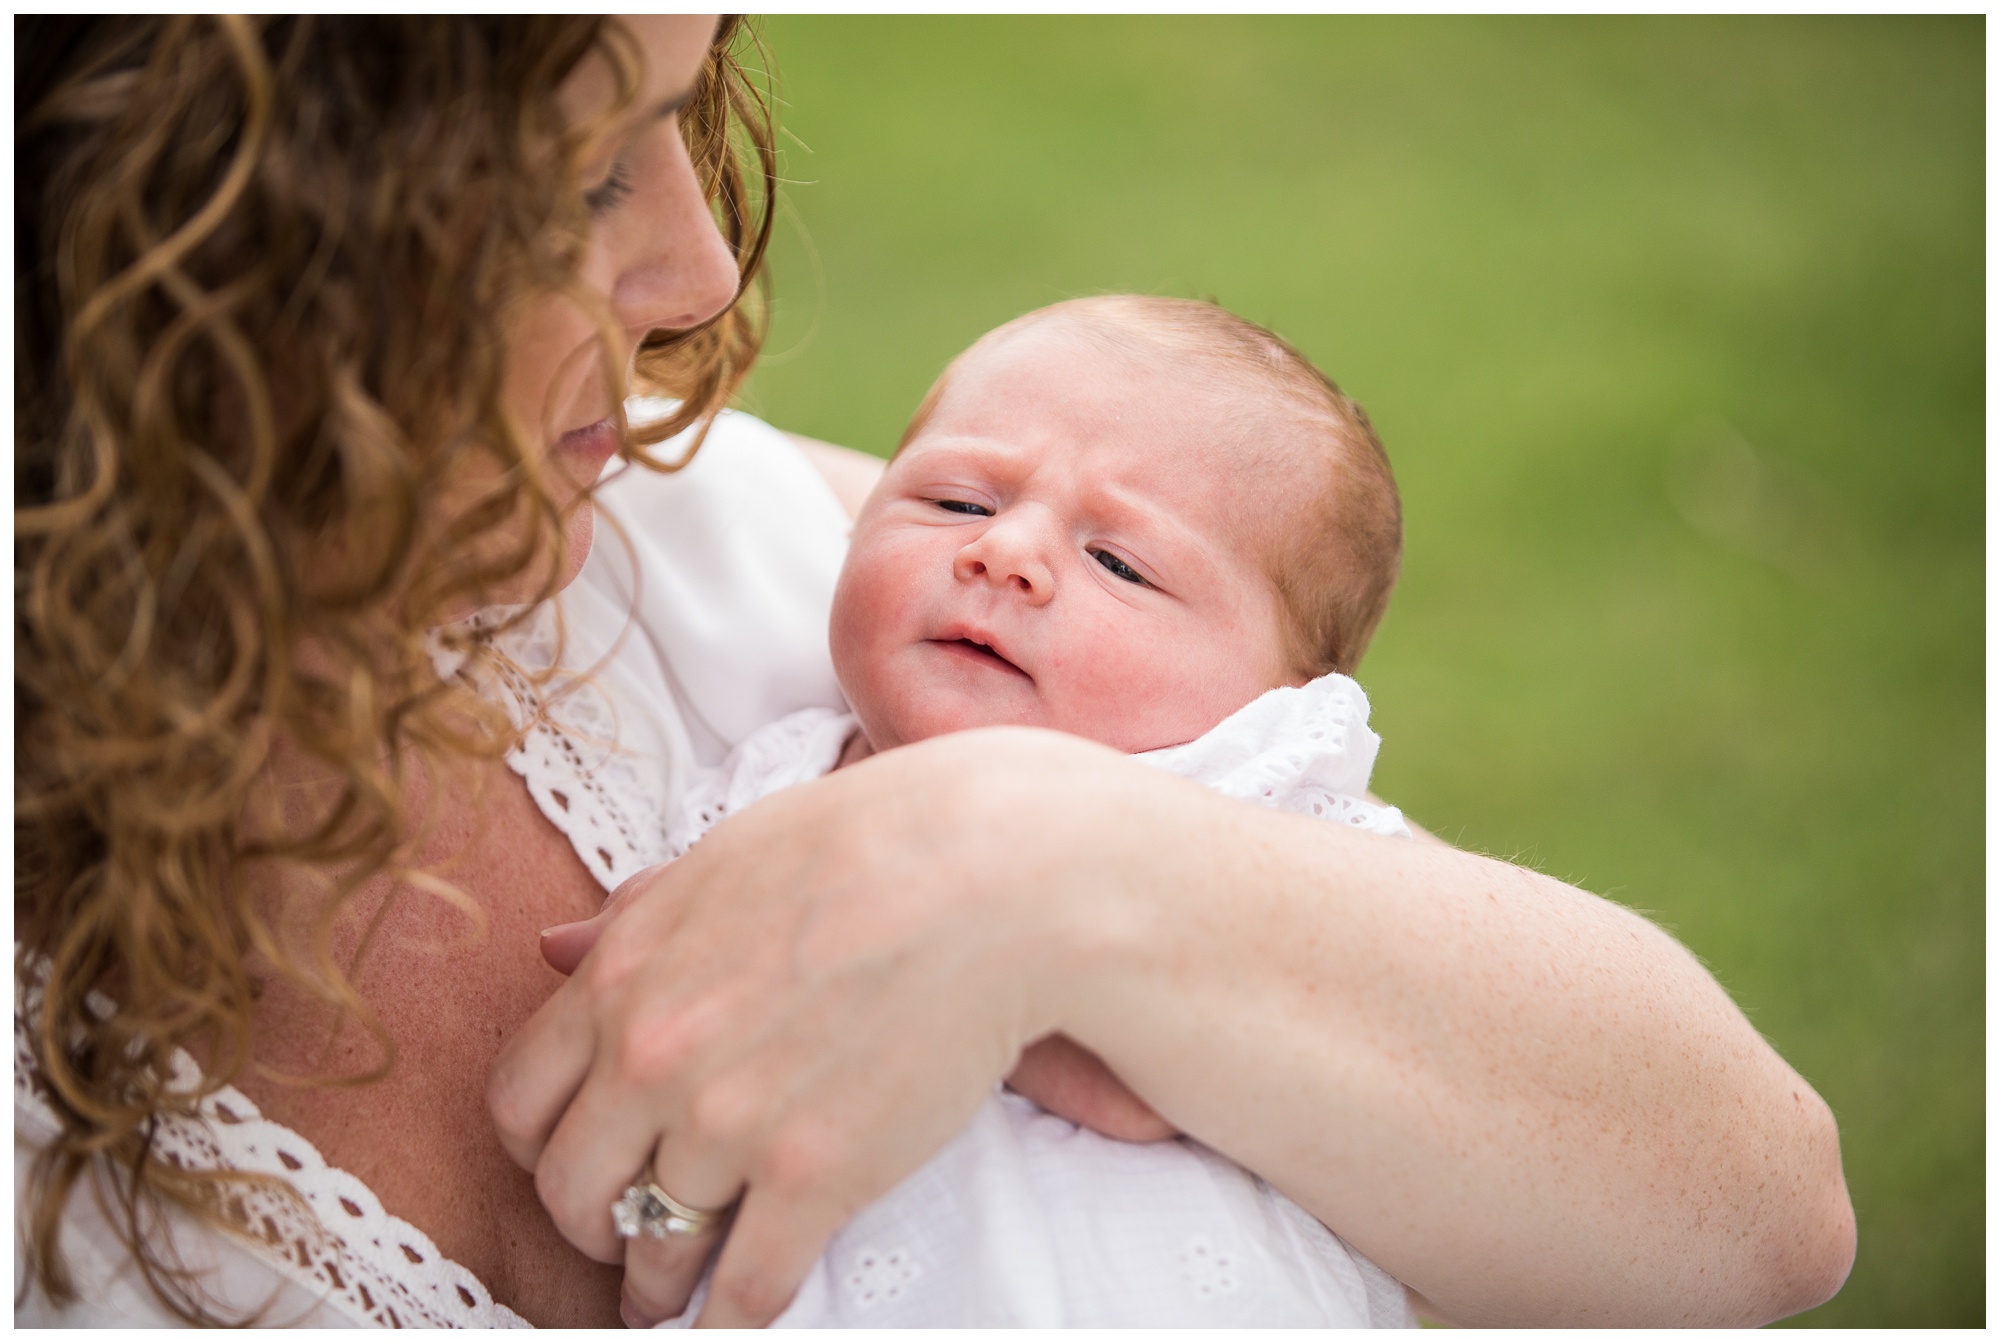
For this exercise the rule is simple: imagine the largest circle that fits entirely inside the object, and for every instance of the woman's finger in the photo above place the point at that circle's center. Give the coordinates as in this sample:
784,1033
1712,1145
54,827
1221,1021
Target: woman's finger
772,1245
538,1072
566,944
604,1145
660,1274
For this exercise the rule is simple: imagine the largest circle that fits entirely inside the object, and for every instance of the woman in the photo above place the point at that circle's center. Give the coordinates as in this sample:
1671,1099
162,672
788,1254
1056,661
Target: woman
324,331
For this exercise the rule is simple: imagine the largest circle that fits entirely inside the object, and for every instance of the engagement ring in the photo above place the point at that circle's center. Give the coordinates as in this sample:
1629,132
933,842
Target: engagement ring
650,1210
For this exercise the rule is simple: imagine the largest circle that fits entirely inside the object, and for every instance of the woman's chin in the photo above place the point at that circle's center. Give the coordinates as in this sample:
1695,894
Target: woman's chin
578,538
526,586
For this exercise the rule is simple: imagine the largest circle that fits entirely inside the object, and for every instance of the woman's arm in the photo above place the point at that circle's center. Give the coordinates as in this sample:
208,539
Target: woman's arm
1529,1104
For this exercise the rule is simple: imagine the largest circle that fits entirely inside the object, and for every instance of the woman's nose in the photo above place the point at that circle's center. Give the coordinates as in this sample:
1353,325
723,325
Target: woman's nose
1011,552
679,272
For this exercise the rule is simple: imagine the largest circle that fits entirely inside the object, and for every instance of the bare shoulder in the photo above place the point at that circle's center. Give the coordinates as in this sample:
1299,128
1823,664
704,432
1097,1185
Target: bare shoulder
851,474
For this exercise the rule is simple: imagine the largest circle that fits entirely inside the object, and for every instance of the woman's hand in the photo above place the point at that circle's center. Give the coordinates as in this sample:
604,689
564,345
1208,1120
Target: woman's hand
801,1011
1055,1072
1527,1103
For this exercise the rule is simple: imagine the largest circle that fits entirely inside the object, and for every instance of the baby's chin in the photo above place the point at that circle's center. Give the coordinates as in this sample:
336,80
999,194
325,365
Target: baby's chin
936,715
886,731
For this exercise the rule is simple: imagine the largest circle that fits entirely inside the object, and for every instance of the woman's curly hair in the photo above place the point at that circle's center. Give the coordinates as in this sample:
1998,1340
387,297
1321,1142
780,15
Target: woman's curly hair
261,268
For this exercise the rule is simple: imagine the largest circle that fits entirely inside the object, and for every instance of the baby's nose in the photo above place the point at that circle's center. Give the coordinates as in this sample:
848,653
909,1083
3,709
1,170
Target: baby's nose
1009,554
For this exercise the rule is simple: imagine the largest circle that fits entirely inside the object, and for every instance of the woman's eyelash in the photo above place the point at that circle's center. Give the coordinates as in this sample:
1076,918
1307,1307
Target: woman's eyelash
1119,568
609,194
961,506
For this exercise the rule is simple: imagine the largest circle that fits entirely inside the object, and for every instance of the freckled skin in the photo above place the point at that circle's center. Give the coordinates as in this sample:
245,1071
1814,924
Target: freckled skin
1047,452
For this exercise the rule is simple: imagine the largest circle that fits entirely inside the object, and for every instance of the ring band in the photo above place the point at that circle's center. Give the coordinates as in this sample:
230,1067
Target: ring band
647,1209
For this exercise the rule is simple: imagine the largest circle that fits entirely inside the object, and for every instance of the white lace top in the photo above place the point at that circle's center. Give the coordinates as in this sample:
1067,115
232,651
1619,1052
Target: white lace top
700,616
1027,1220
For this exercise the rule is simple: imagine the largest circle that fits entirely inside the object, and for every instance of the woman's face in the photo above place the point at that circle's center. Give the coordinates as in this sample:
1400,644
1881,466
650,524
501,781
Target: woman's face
655,259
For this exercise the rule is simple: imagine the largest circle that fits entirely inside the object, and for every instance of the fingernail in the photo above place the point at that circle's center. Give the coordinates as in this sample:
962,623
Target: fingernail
629,1312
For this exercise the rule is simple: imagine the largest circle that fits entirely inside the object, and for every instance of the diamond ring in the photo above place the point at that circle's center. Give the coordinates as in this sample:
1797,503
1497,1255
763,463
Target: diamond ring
646,1209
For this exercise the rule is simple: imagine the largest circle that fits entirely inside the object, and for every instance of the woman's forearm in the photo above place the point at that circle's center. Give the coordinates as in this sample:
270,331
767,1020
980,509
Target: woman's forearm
1527,1102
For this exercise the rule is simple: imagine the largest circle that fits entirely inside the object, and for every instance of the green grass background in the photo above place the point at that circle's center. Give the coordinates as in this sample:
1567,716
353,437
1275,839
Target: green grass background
1673,329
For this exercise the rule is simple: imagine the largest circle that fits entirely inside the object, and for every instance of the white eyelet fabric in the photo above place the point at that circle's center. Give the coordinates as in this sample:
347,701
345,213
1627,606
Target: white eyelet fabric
796,748
1028,1221
1306,749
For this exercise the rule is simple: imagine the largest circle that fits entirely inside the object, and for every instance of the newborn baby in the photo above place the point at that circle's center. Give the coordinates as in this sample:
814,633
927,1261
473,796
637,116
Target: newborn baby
1153,524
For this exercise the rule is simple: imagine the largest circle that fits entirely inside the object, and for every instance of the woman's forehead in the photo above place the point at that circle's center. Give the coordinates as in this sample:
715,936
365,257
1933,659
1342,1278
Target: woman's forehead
670,47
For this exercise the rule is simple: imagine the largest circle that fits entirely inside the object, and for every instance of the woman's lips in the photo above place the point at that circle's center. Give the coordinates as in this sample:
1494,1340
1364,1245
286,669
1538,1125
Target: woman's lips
599,441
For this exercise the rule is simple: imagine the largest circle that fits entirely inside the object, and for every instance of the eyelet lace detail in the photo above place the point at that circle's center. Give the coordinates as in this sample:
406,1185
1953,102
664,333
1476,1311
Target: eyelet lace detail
375,1267
608,802
878,1276
798,747
1305,749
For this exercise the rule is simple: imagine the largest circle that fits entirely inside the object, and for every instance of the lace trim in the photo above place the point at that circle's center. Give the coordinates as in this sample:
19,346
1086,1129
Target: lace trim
609,805
798,747
1305,749
374,1266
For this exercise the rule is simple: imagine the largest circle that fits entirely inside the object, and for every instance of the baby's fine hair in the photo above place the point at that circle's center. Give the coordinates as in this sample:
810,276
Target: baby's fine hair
1335,572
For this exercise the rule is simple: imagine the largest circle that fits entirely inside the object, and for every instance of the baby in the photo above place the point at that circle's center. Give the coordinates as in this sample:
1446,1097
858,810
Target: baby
1153,524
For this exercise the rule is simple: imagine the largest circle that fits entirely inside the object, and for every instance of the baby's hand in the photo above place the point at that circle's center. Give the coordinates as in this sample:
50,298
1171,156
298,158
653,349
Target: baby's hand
1068,1080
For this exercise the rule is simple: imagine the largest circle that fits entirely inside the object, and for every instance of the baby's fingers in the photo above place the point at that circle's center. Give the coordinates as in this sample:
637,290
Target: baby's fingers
771,1247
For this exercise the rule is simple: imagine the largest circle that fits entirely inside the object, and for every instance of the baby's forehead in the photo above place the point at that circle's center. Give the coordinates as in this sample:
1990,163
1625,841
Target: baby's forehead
1084,370
1224,456
1061,364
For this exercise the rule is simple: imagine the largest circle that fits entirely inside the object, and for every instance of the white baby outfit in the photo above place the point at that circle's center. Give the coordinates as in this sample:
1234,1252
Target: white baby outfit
1026,1220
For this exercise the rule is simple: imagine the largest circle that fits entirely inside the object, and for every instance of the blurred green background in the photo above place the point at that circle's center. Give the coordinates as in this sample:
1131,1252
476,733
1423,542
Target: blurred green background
1674,330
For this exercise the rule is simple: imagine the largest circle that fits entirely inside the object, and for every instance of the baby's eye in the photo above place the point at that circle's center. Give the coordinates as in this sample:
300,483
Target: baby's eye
1119,567
961,506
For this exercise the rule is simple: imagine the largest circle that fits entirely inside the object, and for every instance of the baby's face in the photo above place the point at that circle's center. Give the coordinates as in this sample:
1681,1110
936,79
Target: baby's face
1075,540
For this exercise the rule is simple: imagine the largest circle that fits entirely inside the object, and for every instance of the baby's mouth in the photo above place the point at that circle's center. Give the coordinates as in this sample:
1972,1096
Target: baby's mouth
973,651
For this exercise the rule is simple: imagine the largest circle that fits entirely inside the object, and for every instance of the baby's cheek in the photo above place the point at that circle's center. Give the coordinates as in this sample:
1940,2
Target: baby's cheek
875,610
1143,694
1126,694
